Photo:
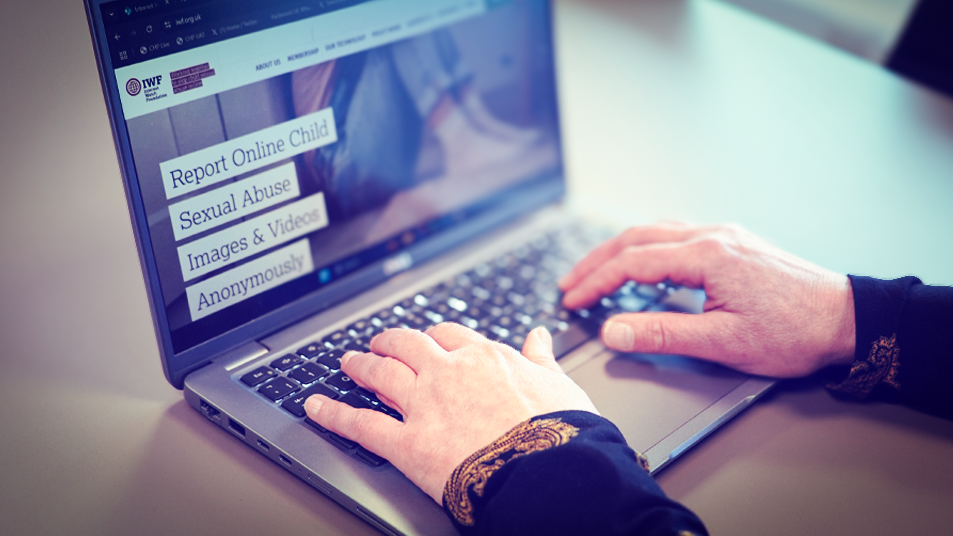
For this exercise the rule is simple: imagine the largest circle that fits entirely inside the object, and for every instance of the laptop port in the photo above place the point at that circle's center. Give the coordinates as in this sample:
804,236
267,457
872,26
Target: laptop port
284,460
237,428
209,411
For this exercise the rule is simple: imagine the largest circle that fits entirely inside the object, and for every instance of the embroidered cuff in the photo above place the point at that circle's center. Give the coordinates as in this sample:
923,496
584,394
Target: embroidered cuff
878,308
882,365
464,491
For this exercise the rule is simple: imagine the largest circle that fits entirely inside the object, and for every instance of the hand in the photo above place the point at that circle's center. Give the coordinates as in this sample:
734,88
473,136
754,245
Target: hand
458,392
767,312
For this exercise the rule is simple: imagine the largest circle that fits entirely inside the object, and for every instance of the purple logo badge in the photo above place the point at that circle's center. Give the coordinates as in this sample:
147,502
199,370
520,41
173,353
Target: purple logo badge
133,87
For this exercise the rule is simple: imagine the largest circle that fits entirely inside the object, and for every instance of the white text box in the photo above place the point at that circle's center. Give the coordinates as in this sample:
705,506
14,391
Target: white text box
217,163
250,279
235,201
253,236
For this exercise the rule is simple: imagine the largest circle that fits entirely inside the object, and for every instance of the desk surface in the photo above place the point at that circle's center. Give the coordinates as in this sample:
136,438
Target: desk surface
684,109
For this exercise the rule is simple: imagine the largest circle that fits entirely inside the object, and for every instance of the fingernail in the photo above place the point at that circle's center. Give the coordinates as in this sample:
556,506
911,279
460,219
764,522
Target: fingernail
313,404
347,356
544,335
618,335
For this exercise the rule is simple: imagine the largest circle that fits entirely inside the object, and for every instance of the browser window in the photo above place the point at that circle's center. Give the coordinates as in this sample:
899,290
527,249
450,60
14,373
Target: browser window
279,149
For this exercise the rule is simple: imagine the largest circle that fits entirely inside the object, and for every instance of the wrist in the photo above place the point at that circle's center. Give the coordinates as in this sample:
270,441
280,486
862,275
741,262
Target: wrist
844,335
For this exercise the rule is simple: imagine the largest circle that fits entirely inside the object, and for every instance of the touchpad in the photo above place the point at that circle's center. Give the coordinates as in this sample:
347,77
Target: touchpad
650,396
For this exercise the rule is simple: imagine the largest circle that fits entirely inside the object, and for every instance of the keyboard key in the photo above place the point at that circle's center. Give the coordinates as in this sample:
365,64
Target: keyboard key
278,388
295,404
311,350
439,308
286,362
632,303
341,440
433,318
367,395
331,359
307,373
575,334
357,402
457,304
650,292
385,317
360,328
481,293
499,334
477,313
342,381
389,411
369,457
416,322
505,322
517,299
358,345
257,376
411,305
335,339
315,426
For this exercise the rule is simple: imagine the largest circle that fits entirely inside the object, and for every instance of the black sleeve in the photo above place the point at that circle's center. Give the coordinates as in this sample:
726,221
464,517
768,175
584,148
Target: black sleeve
924,51
904,348
563,473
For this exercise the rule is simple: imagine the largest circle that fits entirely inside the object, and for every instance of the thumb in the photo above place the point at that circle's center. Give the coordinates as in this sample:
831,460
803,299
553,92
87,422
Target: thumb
538,348
659,333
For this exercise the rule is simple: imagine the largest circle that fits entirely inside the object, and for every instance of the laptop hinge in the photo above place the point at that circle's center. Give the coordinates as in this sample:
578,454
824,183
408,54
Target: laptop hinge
242,355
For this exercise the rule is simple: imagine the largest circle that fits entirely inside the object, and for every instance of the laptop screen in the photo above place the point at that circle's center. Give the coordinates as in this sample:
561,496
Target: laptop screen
278,147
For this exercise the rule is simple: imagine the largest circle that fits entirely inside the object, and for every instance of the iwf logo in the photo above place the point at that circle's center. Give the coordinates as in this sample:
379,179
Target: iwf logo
133,87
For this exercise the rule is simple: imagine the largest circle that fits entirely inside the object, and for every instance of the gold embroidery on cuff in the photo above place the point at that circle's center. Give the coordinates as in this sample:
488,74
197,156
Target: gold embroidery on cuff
643,462
881,366
526,438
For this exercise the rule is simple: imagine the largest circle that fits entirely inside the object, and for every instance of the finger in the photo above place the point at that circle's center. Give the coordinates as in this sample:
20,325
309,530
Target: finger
375,431
538,348
668,333
451,336
666,232
410,346
386,376
681,263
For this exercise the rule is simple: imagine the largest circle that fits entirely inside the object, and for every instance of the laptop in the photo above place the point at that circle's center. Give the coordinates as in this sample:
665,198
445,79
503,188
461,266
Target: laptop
302,174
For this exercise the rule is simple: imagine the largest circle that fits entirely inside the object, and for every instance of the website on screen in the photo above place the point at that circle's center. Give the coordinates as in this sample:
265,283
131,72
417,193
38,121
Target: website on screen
276,162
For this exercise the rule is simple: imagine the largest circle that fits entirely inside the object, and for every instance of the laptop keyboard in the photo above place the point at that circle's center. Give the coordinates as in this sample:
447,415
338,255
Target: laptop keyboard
503,299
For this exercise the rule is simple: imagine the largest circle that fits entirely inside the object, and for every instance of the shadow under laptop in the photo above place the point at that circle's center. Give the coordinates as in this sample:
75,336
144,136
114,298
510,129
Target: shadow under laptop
214,475
799,432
